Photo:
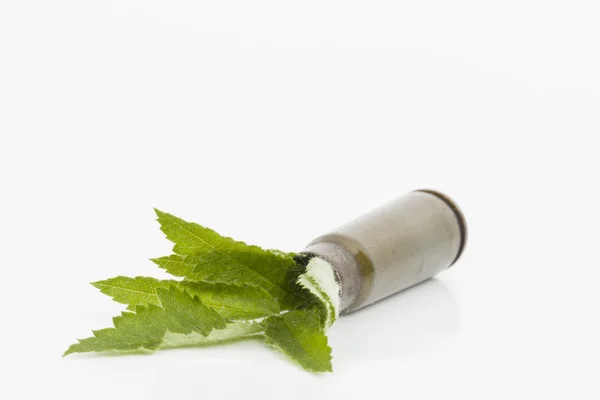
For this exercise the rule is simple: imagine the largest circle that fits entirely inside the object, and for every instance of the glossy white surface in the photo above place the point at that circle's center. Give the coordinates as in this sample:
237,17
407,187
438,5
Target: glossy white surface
228,112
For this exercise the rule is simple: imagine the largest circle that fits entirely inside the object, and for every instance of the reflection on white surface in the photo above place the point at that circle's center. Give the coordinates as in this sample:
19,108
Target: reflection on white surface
411,322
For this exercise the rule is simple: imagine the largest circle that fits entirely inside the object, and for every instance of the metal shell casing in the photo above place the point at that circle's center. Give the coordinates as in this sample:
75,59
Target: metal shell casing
393,247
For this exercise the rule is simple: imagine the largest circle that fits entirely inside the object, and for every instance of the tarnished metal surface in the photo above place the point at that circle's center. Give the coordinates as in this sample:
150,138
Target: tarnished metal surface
393,247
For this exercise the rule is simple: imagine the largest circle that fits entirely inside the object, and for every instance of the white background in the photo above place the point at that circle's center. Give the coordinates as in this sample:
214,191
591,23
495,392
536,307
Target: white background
273,122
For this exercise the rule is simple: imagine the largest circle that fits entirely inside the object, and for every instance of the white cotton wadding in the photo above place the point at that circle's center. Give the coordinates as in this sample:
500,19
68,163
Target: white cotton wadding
320,280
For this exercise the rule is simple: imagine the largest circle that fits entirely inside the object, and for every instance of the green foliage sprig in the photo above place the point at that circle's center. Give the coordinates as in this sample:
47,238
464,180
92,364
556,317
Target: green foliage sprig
227,290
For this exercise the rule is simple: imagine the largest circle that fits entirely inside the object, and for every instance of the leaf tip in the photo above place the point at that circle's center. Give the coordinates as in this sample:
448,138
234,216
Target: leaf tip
72,349
328,368
97,284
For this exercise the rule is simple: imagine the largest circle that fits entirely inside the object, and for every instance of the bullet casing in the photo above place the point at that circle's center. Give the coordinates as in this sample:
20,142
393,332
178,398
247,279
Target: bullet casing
393,247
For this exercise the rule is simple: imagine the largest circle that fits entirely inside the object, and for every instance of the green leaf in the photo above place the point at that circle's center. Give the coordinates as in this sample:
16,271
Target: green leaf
235,301
299,335
146,328
230,301
234,331
177,265
222,259
320,280
133,291
186,313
